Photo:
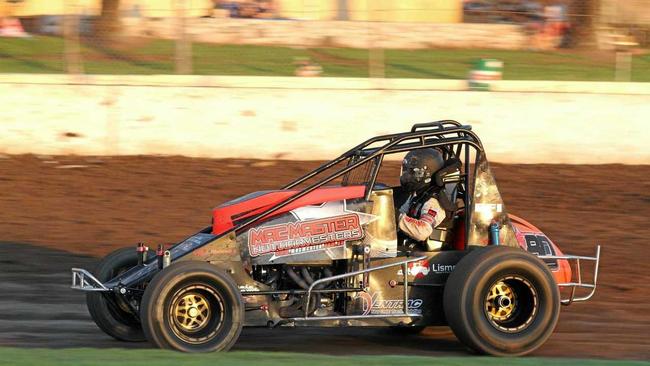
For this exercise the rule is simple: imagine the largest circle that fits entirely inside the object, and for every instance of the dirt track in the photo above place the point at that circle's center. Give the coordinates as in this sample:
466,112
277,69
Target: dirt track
105,203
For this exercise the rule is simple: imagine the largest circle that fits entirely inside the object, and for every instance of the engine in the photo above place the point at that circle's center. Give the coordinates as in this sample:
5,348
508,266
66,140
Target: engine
292,281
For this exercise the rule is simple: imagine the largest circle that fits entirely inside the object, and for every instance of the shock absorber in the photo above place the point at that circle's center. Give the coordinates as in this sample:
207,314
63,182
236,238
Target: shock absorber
164,257
141,251
160,252
167,258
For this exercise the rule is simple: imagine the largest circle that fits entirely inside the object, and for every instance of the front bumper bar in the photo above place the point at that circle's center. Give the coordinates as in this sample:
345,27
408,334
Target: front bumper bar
574,286
85,281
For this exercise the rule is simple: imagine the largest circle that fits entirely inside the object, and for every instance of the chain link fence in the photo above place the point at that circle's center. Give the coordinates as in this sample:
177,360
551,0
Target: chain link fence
534,39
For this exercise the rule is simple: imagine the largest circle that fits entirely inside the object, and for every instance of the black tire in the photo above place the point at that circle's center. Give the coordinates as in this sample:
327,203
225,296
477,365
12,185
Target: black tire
501,301
168,302
110,313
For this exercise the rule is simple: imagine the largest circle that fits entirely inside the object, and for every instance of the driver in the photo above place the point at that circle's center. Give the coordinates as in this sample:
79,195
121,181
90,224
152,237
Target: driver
421,212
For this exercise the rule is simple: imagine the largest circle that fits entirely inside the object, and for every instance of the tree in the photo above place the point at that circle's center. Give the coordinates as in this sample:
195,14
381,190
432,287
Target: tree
582,15
108,23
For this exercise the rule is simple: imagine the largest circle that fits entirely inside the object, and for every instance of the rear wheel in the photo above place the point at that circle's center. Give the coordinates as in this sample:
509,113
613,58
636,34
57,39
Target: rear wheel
192,307
111,313
501,301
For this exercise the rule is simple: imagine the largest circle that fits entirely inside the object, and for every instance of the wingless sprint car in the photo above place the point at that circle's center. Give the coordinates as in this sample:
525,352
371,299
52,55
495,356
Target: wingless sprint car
325,250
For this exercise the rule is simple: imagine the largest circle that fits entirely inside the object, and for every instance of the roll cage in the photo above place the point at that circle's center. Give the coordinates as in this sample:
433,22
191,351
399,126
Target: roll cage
451,137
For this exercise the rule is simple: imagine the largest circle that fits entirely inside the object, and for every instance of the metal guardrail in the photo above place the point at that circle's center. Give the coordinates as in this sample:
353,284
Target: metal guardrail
575,285
85,281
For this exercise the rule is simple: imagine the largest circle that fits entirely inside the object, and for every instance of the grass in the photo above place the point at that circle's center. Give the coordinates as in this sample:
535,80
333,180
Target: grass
43,54
123,357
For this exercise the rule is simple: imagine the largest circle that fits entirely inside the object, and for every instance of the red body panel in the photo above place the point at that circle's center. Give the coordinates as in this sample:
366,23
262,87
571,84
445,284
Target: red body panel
225,215
523,227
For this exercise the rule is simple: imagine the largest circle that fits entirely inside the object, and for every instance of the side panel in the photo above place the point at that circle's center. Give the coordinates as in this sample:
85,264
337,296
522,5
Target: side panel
323,233
426,284
227,215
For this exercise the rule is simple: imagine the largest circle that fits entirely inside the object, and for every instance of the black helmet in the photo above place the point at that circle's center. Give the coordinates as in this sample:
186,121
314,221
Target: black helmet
418,168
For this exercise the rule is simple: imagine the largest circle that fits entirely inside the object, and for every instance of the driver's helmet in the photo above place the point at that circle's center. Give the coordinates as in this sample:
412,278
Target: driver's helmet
418,168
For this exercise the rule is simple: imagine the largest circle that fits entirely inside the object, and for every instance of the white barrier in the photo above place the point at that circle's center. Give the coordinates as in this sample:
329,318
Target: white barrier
294,118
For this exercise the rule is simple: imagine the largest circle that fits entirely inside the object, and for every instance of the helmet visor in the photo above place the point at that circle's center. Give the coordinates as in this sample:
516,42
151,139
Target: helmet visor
412,177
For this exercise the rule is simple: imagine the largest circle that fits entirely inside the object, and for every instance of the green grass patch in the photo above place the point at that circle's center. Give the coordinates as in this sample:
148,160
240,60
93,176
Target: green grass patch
123,357
43,54
29,55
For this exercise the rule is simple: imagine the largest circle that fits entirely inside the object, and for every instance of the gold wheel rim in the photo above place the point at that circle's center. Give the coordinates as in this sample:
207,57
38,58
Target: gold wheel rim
500,301
191,312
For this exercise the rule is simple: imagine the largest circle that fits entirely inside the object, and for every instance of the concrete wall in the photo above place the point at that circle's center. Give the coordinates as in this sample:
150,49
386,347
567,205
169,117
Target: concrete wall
439,11
311,33
147,8
294,118
298,33
636,12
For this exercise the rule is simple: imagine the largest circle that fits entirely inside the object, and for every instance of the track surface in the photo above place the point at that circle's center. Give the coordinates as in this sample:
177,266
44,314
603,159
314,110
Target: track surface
71,215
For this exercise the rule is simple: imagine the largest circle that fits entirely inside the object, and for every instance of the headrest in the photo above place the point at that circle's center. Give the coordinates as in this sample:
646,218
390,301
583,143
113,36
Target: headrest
452,165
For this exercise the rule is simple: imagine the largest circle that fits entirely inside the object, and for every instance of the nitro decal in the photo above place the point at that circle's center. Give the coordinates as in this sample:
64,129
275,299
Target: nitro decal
304,236
373,303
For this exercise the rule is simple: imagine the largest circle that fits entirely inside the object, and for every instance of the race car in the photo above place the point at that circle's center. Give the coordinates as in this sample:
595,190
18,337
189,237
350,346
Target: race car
325,250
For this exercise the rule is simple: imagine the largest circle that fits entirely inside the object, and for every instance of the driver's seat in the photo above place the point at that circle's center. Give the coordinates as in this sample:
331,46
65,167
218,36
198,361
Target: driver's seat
448,178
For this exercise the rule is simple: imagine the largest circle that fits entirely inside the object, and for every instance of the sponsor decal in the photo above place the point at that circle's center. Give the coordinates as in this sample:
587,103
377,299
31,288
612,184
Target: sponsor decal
195,240
442,268
373,303
416,222
248,288
419,269
215,252
304,236
487,211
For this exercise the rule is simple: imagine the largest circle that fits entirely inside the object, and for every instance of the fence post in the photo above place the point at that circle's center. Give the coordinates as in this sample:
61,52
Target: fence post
71,47
375,52
183,50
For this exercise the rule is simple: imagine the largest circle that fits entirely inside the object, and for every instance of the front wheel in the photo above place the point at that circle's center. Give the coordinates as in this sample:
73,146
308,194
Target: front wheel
111,313
501,301
192,307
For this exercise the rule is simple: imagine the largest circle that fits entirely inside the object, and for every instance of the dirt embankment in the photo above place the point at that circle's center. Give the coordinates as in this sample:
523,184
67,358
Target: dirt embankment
92,205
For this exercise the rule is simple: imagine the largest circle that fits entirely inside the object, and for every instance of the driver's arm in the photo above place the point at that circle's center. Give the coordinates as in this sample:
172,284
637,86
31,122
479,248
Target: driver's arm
421,229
